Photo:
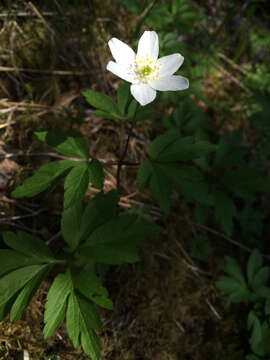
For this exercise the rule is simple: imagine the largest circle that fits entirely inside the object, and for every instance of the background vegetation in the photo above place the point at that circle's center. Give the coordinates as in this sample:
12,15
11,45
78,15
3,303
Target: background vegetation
201,291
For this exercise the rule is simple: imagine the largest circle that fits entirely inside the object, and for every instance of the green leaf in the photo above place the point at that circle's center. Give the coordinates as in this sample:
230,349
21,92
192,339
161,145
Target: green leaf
70,144
91,287
267,307
123,97
144,174
255,262
73,320
5,307
71,223
14,281
261,277
262,348
116,241
100,101
96,174
11,260
255,325
79,221
246,182
161,189
227,284
233,268
28,245
101,209
189,181
237,290
106,115
225,210
76,184
226,146
82,318
171,147
26,294
43,178
56,304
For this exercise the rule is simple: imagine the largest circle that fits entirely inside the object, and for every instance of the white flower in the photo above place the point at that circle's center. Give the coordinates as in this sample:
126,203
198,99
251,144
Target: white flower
144,70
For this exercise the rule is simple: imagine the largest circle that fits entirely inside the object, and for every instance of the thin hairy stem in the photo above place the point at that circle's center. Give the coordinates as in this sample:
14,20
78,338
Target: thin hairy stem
122,157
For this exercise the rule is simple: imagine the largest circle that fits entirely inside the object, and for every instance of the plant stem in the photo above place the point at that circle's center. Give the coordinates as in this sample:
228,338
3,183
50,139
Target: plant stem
122,157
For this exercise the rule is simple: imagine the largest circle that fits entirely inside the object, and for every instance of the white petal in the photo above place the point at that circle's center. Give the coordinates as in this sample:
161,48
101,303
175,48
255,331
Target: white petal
148,45
122,53
119,70
170,64
170,83
143,93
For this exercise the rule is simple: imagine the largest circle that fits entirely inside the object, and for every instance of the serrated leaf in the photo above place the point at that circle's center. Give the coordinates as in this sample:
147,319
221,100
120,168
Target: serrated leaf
90,342
43,178
28,245
227,284
70,144
267,307
73,320
56,303
171,147
246,182
123,97
144,174
263,292
82,318
116,241
225,211
26,294
100,101
161,189
11,260
255,262
71,223
233,268
106,115
261,277
189,181
101,209
14,281
227,144
76,184
91,287
255,325
96,174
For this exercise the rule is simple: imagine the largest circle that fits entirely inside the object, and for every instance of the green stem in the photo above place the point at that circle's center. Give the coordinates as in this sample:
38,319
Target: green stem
122,157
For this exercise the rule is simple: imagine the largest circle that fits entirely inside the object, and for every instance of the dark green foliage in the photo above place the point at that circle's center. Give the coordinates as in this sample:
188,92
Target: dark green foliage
101,101
164,168
70,144
43,178
76,184
117,240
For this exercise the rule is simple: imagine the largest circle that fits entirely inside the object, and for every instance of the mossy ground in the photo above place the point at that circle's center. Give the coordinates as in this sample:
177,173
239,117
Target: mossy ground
166,306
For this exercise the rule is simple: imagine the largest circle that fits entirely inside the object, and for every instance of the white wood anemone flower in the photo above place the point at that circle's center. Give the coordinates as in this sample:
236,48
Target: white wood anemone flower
144,70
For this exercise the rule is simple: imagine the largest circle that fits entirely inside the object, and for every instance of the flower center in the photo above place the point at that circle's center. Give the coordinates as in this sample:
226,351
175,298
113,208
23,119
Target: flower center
146,69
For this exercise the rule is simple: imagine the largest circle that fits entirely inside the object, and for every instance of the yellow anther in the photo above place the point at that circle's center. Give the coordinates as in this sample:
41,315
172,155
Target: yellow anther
150,62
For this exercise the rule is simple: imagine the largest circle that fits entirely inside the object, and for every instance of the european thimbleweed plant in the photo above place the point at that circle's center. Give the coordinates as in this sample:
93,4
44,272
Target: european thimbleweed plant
98,232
